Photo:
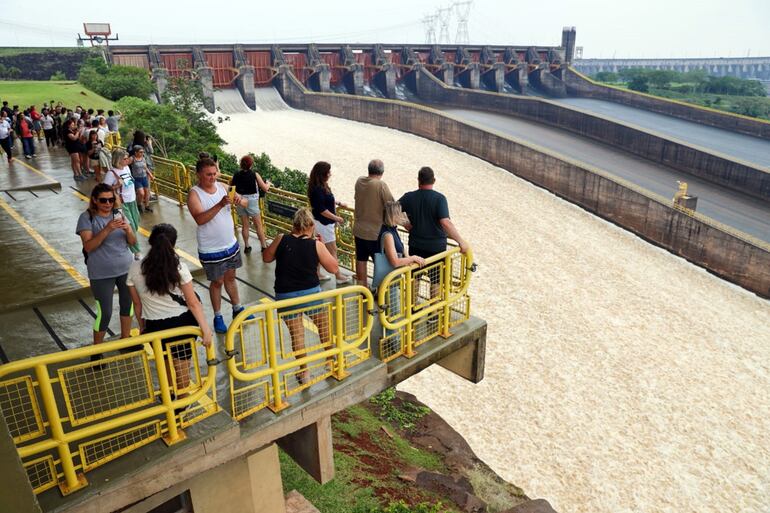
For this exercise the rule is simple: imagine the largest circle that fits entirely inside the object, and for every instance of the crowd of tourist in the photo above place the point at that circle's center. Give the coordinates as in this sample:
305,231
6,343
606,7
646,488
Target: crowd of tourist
159,285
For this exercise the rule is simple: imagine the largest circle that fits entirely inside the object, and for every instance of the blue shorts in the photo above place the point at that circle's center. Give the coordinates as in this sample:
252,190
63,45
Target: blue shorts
141,182
298,293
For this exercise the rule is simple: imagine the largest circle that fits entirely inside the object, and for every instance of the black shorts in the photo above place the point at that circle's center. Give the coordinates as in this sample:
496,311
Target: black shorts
365,249
181,351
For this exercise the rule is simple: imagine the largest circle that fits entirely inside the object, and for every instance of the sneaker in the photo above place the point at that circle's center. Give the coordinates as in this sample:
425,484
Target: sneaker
27,156
148,209
219,324
346,279
34,154
236,311
137,256
247,250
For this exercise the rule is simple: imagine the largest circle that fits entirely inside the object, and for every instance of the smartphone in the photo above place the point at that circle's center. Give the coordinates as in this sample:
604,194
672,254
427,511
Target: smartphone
117,215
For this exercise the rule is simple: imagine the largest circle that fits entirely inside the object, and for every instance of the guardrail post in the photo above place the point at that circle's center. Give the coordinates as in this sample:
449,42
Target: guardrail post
339,333
72,481
178,185
174,434
408,308
446,286
270,326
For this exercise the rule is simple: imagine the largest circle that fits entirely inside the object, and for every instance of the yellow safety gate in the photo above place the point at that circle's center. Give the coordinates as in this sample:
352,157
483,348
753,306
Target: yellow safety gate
417,304
291,344
68,415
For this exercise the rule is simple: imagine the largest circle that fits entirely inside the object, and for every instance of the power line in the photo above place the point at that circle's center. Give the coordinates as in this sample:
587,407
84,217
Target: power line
444,15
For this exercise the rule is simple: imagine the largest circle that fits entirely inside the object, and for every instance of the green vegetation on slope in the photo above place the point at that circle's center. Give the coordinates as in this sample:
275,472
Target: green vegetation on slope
32,92
115,82
730,94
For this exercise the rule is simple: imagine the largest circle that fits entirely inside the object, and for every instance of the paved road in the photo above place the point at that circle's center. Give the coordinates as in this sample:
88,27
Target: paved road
732,208
744,147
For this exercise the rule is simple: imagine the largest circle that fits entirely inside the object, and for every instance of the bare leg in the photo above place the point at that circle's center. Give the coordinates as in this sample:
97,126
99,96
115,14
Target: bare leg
181,373
332,247
297,334
99,336
260,231
245,230
321,319
361,272
232,287
75,163
125,326
215,293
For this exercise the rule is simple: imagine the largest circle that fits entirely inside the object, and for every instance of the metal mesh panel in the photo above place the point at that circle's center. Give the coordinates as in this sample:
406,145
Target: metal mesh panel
41,473
20,409
392,346
459,312
354,317
253,337
98,452
426,328
250,398
296,380
309,330
99,389
427,285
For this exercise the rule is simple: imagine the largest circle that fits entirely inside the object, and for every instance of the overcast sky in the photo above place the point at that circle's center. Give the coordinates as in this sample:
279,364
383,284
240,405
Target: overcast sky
605,28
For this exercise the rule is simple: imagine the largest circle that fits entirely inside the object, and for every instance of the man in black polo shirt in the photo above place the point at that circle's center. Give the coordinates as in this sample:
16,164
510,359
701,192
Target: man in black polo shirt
429,222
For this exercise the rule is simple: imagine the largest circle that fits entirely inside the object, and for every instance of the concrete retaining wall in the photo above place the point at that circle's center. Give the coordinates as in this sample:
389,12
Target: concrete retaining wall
705,244
709,166
578,85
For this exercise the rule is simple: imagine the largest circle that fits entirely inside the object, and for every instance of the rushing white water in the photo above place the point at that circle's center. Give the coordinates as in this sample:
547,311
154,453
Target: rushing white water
619,378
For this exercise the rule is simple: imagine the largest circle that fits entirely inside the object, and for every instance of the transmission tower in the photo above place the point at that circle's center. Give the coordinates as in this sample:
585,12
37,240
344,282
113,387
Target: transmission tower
444,15
429,22
463,10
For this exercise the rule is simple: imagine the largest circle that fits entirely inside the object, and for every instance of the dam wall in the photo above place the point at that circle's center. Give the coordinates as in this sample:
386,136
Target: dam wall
730,255
579,85
723,171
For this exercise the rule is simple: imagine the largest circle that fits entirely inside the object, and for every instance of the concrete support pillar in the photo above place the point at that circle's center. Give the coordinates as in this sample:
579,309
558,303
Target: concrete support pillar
385,80
160,79
245,83
446,73
470,77
320,80
250,484
206,79
353,79
495,78
543,80
15,490
518,78
468,361
311,447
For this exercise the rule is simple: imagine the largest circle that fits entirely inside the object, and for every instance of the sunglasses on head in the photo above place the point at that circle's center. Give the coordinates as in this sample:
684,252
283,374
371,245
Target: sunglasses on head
106,200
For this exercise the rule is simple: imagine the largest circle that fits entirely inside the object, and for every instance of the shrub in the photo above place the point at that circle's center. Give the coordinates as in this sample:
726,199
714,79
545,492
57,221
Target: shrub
639,83
405,417
115,82
59,75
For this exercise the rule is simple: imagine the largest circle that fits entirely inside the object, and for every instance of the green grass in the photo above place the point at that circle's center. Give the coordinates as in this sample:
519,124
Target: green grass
19,50
36,92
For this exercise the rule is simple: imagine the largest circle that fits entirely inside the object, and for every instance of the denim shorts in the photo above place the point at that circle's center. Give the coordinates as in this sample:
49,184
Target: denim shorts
298,293
141,182
252,209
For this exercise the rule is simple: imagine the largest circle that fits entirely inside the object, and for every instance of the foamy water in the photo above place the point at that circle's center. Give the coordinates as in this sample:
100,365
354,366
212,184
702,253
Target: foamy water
619,378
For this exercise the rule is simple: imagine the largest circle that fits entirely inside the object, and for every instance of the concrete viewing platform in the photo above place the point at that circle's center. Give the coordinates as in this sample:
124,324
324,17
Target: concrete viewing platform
47,308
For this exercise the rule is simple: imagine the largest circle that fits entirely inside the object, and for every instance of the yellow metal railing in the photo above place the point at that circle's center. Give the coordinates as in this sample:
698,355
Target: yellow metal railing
292,344
68,415
112,140
417,304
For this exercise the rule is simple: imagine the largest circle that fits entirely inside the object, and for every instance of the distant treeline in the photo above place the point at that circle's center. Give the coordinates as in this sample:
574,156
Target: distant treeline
42,63
697,81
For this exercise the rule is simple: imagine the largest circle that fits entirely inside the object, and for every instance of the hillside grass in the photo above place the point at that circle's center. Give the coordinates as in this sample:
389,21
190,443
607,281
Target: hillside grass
19,50
36,92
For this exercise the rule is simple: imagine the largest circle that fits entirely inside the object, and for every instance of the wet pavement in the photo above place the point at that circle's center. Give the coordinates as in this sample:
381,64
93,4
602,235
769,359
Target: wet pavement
747,214
46,304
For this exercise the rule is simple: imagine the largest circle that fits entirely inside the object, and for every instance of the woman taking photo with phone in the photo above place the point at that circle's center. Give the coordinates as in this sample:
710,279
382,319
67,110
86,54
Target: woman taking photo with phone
106,236
72,145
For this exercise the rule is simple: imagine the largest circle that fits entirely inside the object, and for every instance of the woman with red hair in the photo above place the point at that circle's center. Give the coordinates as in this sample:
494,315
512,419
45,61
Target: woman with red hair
246,182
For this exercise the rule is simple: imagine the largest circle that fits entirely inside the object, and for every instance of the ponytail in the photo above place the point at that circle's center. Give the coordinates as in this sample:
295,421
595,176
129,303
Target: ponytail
160,267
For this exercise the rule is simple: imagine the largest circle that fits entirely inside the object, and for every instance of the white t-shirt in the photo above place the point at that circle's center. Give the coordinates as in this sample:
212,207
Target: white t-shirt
155,307
5,129
127,190
47,122
101,133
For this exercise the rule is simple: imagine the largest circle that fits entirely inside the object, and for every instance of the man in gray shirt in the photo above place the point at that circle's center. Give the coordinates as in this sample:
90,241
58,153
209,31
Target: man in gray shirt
113,121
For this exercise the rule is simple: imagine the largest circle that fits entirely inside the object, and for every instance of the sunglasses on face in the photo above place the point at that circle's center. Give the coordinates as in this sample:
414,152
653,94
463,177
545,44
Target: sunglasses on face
106,200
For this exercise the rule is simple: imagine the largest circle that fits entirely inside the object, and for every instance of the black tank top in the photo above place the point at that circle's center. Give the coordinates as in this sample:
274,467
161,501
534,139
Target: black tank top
296,264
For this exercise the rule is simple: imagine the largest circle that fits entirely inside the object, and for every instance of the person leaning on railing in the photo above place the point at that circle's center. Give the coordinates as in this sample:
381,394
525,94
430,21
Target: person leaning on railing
297,256
162,291
106,237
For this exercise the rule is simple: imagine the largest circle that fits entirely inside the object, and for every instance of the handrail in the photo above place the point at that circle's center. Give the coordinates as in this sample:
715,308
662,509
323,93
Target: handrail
400,308
87,402
265,352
